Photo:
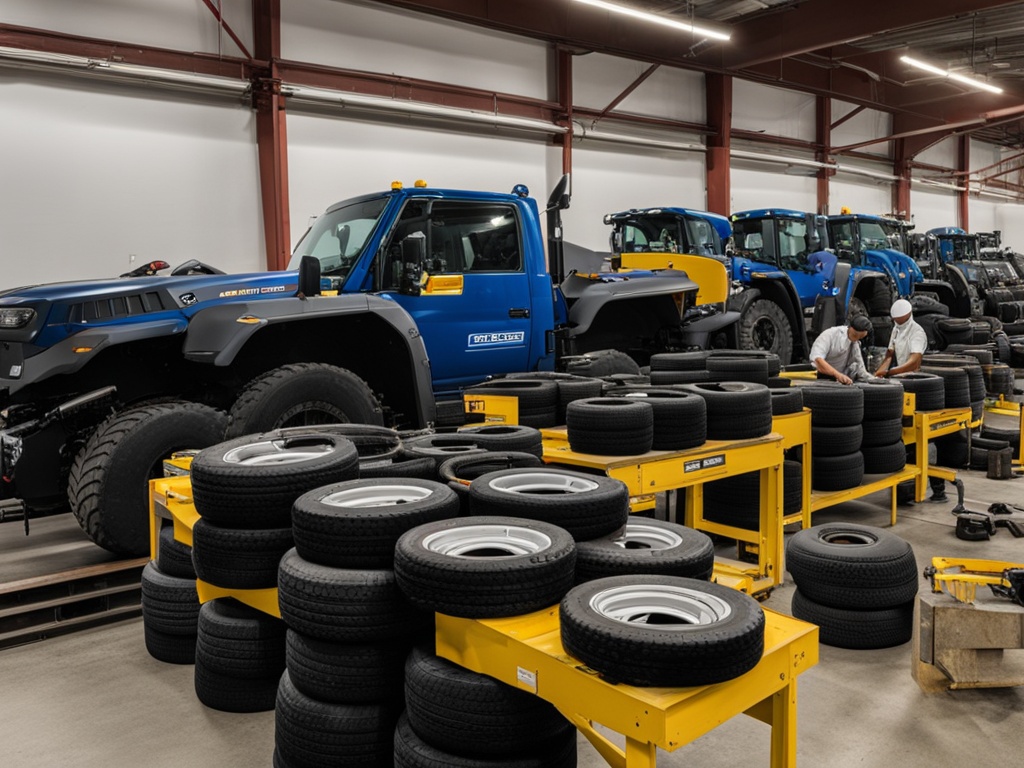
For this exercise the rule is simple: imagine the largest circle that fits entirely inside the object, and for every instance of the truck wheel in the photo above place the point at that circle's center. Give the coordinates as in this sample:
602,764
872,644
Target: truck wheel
108,487
300,395
764,325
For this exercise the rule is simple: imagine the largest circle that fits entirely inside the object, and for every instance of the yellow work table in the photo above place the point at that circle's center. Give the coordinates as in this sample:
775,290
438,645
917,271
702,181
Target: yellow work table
526,652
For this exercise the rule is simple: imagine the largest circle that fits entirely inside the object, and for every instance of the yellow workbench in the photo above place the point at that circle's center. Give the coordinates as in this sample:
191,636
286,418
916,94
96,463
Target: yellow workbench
666,471
526,652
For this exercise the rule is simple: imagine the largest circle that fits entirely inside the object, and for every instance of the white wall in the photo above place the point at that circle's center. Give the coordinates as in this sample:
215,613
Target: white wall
861,194
865,125
775,111
755,185
93,175
932,208
675,94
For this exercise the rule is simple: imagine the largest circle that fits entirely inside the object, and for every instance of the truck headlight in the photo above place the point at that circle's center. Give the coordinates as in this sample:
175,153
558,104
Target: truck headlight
16,317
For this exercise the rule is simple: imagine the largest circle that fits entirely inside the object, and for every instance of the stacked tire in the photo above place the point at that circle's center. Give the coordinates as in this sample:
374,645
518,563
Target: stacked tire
735,410
350,628
837,411
929,390
243,490
882,441
680,418
170,609
736,500
856,582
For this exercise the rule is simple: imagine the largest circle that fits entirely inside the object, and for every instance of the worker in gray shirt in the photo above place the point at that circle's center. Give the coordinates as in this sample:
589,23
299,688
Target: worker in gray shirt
836,353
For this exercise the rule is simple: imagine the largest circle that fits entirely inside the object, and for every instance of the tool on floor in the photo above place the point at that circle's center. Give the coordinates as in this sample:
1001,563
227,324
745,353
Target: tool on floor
974,526
1004,508
960,577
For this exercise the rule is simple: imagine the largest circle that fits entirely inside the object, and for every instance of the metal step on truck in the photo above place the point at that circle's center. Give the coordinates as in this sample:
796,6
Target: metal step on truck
393,302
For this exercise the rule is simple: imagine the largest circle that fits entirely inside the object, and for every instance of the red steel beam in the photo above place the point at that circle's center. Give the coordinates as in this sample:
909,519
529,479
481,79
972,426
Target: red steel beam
215,10
563,79
718,95
963,162
823,135
629,89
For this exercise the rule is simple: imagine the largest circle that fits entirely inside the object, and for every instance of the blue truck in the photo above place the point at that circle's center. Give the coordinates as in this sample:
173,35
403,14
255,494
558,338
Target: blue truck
392,304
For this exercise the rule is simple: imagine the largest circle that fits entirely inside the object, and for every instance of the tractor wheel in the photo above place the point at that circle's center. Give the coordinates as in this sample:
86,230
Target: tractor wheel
303,394
764,325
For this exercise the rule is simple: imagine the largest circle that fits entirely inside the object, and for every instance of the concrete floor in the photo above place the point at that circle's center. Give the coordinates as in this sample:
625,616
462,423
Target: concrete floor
95,699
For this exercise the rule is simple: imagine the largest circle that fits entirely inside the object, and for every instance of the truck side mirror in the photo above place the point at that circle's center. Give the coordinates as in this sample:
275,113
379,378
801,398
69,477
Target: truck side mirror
561,194
414,255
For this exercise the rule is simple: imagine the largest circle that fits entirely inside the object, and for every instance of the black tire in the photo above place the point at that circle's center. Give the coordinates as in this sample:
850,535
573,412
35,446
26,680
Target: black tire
770,358
473,715
355,524
173,557
837,473
647,546
764,325
346,673
239,641
420,468
238,558
736,500
884,459
509,437
786,401
662,630
587,506
537,399
601,362
738,369
779,382
440,447
845,565
833,404
929,390
375,445
108,487
228,693
1004,353
680,418
679,361
169,648
956,384
485,567
735,410
461,471
411,751
302,394
569,390
882,433
883,399
350,606
857,630
668,378
835,441
610,426
309,733
252,481
169,604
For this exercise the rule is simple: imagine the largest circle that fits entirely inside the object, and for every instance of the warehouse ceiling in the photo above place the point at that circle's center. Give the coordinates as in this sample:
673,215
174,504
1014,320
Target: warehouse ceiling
846,50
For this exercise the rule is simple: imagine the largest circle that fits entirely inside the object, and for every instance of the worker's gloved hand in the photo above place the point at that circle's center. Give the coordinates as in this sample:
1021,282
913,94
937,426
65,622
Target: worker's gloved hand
842,378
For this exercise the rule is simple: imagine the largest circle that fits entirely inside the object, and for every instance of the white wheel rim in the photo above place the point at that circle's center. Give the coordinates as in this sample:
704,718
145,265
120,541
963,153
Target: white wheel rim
543,483
660,606
487,542
643,536
276,452
377,496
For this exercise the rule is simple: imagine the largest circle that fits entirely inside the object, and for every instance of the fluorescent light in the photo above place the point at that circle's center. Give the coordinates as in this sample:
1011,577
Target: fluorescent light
655,19
951,75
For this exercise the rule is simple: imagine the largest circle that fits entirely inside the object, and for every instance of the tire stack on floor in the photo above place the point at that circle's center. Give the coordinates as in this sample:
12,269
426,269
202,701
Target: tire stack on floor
971,366
170,603
882,443
856,582
349,626
243,490
837,411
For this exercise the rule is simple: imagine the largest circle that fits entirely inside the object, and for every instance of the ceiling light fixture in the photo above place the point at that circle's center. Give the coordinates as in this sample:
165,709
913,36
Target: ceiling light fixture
682,26
951,75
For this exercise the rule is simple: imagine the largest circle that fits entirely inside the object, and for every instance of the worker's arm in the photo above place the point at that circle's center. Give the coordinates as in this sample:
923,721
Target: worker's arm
823,366
883,368
913,364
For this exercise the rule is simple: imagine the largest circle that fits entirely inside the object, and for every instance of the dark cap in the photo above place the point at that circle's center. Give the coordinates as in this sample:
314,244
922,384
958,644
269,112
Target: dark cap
860,323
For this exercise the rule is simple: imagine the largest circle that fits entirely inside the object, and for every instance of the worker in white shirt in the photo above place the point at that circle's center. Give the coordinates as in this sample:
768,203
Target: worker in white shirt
836,353
907,343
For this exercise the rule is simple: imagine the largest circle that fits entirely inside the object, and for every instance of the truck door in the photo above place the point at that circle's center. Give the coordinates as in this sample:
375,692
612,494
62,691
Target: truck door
794,250
470,296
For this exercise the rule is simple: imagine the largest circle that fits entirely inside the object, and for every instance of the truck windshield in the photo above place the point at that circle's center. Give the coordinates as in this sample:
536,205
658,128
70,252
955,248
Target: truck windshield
752,239
651,234
871,236
338,237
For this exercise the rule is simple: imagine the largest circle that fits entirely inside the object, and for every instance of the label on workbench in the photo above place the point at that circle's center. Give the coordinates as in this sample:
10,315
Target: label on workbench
527,679
698,464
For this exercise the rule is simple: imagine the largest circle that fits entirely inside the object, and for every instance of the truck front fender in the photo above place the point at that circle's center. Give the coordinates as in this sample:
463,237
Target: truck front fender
591,298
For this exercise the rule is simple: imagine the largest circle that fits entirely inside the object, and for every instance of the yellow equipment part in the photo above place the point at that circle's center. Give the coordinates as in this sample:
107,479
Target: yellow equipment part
959,577
709,274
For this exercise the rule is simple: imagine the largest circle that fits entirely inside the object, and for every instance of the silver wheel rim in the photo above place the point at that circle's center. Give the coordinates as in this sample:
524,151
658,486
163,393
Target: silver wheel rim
543,483
377,496
276,452
487,542
643,536
848,538
660,606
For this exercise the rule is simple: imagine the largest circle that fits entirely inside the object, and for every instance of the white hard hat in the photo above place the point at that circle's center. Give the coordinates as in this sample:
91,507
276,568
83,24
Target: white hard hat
900,308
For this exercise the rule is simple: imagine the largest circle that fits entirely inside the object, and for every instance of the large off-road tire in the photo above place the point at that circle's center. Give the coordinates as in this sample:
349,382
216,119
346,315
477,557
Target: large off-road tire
662,630
303,394
108,486
764,325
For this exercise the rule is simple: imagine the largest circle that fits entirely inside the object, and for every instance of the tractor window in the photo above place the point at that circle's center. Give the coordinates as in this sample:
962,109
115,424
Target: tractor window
793,248
651,234
338,237
842,237
753,240
703,238
459,237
